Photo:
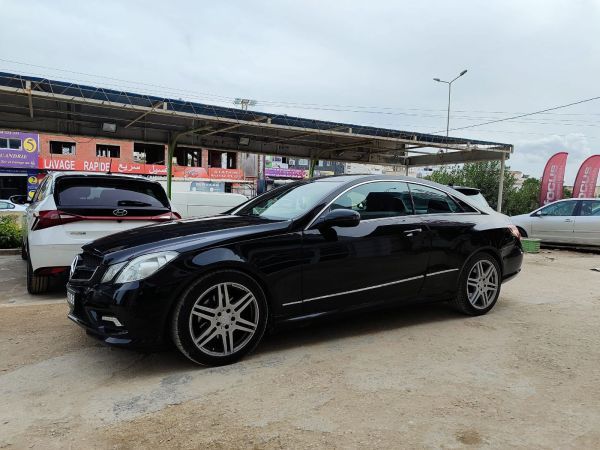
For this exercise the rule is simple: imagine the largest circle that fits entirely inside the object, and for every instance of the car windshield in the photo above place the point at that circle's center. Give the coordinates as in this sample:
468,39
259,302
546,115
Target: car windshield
110,192
479,200
289,202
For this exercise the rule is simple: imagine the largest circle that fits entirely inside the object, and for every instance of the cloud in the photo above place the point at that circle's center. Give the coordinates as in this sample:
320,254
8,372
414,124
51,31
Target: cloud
531,155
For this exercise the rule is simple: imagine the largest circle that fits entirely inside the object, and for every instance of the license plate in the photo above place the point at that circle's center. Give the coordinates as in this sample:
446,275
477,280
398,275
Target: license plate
71,298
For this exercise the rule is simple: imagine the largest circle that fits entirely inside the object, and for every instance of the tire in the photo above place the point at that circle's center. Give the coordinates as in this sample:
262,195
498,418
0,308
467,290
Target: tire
479,285
220,318
36,284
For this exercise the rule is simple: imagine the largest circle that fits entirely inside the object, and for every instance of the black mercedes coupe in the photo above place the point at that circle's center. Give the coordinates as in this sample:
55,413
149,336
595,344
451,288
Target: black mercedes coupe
213,285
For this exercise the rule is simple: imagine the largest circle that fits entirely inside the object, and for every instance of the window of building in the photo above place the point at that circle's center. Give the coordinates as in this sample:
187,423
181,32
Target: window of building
108,151
148,153
224,160
303,162
377,200
188,156
429,200
14,144
62,148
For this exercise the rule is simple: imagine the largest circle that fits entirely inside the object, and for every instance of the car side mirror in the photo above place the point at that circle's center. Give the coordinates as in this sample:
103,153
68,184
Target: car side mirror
338,218
20,199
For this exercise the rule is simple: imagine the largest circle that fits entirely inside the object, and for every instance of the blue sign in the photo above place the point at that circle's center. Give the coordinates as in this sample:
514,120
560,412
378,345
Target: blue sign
207,186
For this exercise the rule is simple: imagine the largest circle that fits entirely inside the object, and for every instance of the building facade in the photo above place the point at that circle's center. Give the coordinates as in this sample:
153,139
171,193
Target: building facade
26,157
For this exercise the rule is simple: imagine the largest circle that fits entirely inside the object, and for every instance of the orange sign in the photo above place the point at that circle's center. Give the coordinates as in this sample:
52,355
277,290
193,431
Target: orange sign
107,165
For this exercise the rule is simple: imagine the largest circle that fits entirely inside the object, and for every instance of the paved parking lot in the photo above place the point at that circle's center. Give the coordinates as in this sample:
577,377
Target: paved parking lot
526,375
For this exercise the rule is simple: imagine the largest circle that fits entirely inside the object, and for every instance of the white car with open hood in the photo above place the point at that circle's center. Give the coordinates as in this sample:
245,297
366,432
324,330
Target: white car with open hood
71,209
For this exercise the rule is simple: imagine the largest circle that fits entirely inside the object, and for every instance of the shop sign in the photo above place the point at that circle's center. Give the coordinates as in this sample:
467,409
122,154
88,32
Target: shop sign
19,150
207,186
285,173
216,173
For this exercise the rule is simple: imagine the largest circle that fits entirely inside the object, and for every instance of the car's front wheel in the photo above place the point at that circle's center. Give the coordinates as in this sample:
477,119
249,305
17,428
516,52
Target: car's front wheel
220,318
479,285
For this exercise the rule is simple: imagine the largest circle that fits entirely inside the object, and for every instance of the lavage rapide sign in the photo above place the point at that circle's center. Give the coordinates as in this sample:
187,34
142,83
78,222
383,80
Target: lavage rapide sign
553,178
69,164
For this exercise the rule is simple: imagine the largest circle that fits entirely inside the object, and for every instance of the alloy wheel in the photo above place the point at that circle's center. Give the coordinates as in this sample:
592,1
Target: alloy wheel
223,319
482,284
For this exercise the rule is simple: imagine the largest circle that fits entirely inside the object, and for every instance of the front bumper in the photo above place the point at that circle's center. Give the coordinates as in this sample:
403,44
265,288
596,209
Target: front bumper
132,314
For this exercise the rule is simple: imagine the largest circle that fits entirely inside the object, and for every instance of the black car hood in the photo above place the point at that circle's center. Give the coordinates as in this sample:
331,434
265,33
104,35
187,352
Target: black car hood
181,235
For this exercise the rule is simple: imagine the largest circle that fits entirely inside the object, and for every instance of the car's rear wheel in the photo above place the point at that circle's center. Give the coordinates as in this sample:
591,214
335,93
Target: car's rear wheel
23,251
479,285
36,284
220,318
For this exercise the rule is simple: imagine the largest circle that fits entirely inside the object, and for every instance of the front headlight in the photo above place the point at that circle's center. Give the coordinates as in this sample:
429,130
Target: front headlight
138,268
112,271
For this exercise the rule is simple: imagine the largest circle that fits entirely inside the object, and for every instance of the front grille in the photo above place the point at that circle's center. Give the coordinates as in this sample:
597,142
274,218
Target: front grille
85,267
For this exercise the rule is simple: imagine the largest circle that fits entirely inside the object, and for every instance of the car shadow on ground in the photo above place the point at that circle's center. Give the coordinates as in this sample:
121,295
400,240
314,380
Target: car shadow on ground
332,329
356,324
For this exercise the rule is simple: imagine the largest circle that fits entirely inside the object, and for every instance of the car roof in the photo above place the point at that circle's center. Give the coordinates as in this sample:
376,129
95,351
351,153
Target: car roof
74,174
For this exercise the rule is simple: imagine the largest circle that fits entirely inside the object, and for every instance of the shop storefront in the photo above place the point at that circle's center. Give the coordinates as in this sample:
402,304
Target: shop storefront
19,155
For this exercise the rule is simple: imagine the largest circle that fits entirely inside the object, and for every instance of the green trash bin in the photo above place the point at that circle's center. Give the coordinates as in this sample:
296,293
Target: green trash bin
531,245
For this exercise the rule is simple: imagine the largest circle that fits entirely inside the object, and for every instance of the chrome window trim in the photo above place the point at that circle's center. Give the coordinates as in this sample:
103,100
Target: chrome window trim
478,211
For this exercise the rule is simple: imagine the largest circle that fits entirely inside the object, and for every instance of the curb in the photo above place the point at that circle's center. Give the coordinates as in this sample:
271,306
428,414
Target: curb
10,251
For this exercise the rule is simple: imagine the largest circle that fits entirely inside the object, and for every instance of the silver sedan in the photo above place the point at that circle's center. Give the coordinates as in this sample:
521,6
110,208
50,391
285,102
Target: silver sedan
573,221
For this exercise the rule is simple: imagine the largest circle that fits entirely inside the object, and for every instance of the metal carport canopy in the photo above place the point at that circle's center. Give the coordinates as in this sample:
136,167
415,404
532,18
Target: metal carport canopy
31,103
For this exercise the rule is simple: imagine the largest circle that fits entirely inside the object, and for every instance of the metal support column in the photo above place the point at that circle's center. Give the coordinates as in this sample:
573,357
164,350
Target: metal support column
170,154
501,183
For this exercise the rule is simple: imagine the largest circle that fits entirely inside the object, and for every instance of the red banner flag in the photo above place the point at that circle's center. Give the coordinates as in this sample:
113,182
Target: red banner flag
587,177
553,178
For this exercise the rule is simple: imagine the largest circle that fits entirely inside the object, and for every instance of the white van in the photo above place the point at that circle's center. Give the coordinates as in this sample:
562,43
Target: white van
199,204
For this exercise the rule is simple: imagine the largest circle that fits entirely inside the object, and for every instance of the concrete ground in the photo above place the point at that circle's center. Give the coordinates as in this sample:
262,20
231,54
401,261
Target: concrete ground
527,375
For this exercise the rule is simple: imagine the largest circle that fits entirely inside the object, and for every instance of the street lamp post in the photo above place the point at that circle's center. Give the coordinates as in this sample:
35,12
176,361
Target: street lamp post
449,83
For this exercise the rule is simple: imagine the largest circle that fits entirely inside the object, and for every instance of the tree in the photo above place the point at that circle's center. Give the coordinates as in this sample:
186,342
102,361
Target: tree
526,199
484,176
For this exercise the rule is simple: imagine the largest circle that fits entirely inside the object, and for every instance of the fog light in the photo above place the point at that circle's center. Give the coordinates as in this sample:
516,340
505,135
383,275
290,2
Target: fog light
112,320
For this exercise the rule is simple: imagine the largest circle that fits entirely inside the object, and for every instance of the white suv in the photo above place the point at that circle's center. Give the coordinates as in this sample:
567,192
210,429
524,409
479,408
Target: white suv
71,209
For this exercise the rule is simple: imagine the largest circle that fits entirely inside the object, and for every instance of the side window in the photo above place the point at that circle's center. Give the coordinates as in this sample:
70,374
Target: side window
590,208
41,193
377,200
559,209
429,200
3,205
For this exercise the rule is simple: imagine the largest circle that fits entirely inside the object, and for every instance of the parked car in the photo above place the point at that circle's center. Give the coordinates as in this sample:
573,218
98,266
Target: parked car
200,204
306,249
574,221
8,206
474,195
71,209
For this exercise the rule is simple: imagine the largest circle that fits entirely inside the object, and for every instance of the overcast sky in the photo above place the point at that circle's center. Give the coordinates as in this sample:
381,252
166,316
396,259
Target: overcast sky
331,59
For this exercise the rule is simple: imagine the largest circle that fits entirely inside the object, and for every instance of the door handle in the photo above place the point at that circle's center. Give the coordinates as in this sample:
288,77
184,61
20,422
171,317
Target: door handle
568,220
412,232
